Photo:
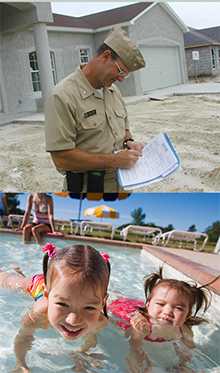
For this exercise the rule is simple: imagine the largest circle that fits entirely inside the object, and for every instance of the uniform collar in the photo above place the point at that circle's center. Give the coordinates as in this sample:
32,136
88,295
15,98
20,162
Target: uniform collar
85,87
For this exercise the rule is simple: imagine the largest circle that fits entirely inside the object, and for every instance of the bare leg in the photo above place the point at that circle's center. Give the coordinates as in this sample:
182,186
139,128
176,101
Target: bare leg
18,270
27,233
39,231
14,281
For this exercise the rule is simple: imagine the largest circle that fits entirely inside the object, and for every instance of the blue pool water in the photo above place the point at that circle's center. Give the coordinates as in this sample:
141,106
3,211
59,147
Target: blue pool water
50,352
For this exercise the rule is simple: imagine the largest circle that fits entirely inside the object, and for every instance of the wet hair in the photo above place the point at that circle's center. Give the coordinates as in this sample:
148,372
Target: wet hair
82,261
104,47
199,296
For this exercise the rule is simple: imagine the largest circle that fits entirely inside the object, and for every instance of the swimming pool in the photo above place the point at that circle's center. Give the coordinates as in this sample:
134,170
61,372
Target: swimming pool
50,352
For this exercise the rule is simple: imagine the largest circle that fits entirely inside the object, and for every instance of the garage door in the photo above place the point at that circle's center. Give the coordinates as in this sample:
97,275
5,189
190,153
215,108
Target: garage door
162,68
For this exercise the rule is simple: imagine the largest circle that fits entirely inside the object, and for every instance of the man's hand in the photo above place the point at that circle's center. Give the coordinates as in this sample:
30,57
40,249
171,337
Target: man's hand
126,158
132,145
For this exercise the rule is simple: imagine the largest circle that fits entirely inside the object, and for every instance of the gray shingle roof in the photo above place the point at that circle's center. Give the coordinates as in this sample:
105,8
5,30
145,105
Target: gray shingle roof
102,19
207,36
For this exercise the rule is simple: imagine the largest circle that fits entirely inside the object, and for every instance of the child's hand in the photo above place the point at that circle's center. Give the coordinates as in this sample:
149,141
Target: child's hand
140,323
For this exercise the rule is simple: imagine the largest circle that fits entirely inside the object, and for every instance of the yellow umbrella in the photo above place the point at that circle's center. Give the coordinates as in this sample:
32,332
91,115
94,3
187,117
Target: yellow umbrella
102,211
93,197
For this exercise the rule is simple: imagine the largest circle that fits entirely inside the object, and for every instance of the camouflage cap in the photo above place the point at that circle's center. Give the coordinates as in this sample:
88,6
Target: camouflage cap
130,55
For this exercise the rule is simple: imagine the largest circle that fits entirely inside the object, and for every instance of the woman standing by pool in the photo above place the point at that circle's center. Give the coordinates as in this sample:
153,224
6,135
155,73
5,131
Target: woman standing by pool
43,217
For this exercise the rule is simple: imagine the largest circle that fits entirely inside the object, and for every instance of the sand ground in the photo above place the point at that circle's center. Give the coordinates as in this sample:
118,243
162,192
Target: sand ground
192,122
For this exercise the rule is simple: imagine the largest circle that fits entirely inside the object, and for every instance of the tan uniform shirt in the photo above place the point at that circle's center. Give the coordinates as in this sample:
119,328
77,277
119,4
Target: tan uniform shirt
77,116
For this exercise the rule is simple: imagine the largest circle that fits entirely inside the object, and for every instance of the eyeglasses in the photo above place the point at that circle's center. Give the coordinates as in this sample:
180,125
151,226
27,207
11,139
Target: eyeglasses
121,72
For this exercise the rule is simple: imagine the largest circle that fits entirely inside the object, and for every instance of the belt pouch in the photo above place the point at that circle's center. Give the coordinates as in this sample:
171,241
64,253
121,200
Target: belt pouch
74,181
95,181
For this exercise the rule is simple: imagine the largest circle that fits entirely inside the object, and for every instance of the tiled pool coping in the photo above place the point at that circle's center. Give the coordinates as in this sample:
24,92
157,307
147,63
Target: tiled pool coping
199,272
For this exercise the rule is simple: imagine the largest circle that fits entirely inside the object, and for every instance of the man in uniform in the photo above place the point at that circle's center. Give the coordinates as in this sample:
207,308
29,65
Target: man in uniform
87,129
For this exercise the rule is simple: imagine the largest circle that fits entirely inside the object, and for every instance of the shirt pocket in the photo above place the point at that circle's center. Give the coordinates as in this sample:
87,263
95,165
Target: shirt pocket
92,122
119,121
120,112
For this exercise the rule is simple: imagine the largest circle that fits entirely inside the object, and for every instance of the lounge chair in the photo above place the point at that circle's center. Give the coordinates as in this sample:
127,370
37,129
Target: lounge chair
61,225
14,219
88,226
183,236
140,230
217,247
75,225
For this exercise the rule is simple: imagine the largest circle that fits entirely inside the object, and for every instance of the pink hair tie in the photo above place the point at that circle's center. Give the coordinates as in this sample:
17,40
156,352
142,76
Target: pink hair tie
105,256
50,249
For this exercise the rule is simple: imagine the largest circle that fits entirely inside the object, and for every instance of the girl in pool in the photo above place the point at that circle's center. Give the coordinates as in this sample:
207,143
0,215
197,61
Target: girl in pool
167,316
70,296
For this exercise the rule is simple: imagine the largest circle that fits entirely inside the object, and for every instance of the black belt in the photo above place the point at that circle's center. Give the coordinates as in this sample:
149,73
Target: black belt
95,181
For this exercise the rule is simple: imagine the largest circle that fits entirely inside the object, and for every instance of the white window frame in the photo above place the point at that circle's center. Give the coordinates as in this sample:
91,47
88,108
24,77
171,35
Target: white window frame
34,70
84,59
53,66
213,58
38,92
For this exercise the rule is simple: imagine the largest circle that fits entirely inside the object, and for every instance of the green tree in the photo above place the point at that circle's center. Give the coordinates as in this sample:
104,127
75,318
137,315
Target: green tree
138,216
13,204
168,228
213,231
151,224
192,228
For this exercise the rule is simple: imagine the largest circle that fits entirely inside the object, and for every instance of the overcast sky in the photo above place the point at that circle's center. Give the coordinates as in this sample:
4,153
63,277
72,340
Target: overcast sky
195,14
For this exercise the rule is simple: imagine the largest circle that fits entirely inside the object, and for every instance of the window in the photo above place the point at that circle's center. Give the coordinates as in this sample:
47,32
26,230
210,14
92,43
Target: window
35,73
213,58
84,55
53,67
219,56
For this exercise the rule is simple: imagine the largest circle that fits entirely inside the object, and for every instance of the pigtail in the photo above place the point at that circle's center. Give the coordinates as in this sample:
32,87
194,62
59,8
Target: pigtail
151,281
45,267
202,299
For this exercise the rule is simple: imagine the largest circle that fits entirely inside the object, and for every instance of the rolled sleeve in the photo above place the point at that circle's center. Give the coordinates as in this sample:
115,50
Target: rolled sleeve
60,125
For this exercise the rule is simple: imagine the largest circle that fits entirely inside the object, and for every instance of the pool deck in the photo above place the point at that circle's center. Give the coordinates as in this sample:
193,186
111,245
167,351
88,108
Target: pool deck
200,266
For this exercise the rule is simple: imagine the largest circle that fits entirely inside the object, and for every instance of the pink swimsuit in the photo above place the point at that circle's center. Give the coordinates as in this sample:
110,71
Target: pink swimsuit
124,309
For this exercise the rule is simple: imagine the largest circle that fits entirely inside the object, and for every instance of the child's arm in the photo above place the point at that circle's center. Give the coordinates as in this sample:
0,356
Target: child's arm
31,321
140,324
137,359
184,351
23,342
27,211
51,213
187,336
90,340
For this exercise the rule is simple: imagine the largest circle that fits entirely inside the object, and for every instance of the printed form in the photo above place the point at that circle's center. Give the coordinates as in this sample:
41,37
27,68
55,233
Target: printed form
158,161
